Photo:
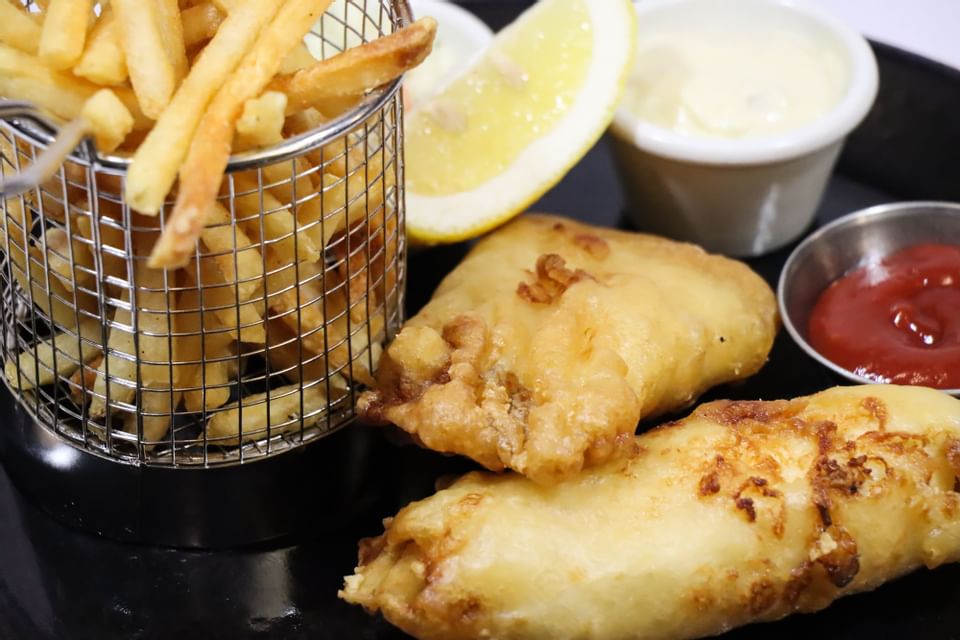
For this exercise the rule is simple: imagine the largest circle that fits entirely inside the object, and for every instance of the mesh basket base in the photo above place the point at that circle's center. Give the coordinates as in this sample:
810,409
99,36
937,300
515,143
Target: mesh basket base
318,487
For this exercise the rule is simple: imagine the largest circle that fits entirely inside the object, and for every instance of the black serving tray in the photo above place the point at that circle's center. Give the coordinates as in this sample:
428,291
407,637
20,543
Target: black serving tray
60,583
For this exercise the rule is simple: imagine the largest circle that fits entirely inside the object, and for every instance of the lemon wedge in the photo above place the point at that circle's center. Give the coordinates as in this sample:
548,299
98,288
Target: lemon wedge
515,121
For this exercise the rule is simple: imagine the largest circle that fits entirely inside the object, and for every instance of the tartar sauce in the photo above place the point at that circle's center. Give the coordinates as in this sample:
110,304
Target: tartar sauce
713,82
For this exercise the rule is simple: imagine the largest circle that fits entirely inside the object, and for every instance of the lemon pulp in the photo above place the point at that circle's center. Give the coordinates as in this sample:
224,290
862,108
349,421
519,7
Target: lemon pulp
484,120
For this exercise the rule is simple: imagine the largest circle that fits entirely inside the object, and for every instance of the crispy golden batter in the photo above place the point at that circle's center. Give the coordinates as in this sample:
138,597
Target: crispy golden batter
546,346
746,511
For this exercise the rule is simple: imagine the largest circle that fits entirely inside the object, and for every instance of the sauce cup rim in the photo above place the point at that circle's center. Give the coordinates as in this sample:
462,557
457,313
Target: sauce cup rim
860,217
828,129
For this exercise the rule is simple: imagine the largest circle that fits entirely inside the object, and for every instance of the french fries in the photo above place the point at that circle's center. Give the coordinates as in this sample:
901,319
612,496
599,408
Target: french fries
108,119
62,94
200,22
202,171
104,61
279,225
18,28
180,85
64,256
64,32
351,73
155,323
157,160
298,58
83,379
57,357
171,34
155,60
242,320
262,120
204,353
156,410
256,416
116,380
289,358
238,259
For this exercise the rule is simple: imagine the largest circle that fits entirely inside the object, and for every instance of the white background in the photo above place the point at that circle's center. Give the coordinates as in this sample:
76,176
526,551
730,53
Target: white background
928,27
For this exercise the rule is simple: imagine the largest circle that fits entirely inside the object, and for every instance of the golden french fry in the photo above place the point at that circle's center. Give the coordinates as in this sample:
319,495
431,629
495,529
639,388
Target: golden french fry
303,121
156,409
55,358
336,156
289,407
203,168
308,120
353,72
29,268
160,341
83,379
262,120
51,201
352,347
64,32
211,385
297,296
348,200
205,384
153,63
157,160
291,286
226,6
18,28
64,255
108,119
289,358
280,227
299,190
155,322
298,58
103,61
236,254
200,22
117,373
59,305
243,320
171,33
108,235
17,223
187,345
340,160
26,77
64,102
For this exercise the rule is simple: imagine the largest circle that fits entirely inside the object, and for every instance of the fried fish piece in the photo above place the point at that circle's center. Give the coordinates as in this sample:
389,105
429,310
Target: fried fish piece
743,512
544,348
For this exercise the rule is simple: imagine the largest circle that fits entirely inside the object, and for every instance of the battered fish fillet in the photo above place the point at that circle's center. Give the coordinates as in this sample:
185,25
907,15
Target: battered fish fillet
544,348
743,512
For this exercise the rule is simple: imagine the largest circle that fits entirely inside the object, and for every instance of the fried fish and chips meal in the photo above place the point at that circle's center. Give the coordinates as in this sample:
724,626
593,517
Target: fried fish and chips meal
539,354
545,347
177,88
743,512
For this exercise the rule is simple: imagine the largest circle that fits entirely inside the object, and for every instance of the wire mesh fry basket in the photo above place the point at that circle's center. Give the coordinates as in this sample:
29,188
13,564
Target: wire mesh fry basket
260,344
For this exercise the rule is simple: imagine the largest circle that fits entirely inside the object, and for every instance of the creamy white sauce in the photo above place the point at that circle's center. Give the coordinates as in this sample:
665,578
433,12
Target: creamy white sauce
723,83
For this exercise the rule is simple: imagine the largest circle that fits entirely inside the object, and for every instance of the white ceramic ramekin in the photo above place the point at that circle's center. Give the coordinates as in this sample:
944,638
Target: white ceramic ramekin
745,196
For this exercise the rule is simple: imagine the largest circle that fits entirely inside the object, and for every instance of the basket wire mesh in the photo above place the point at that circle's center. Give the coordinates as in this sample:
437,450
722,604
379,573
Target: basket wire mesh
258,345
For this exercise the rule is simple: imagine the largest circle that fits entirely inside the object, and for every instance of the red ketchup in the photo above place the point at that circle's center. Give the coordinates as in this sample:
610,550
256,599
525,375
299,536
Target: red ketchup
896,321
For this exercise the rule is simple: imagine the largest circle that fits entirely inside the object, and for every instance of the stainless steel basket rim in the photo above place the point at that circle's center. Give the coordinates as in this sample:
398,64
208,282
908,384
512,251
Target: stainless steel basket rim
290,148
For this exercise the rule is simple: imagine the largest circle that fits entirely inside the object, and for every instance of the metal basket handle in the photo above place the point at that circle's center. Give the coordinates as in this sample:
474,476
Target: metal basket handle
68,137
